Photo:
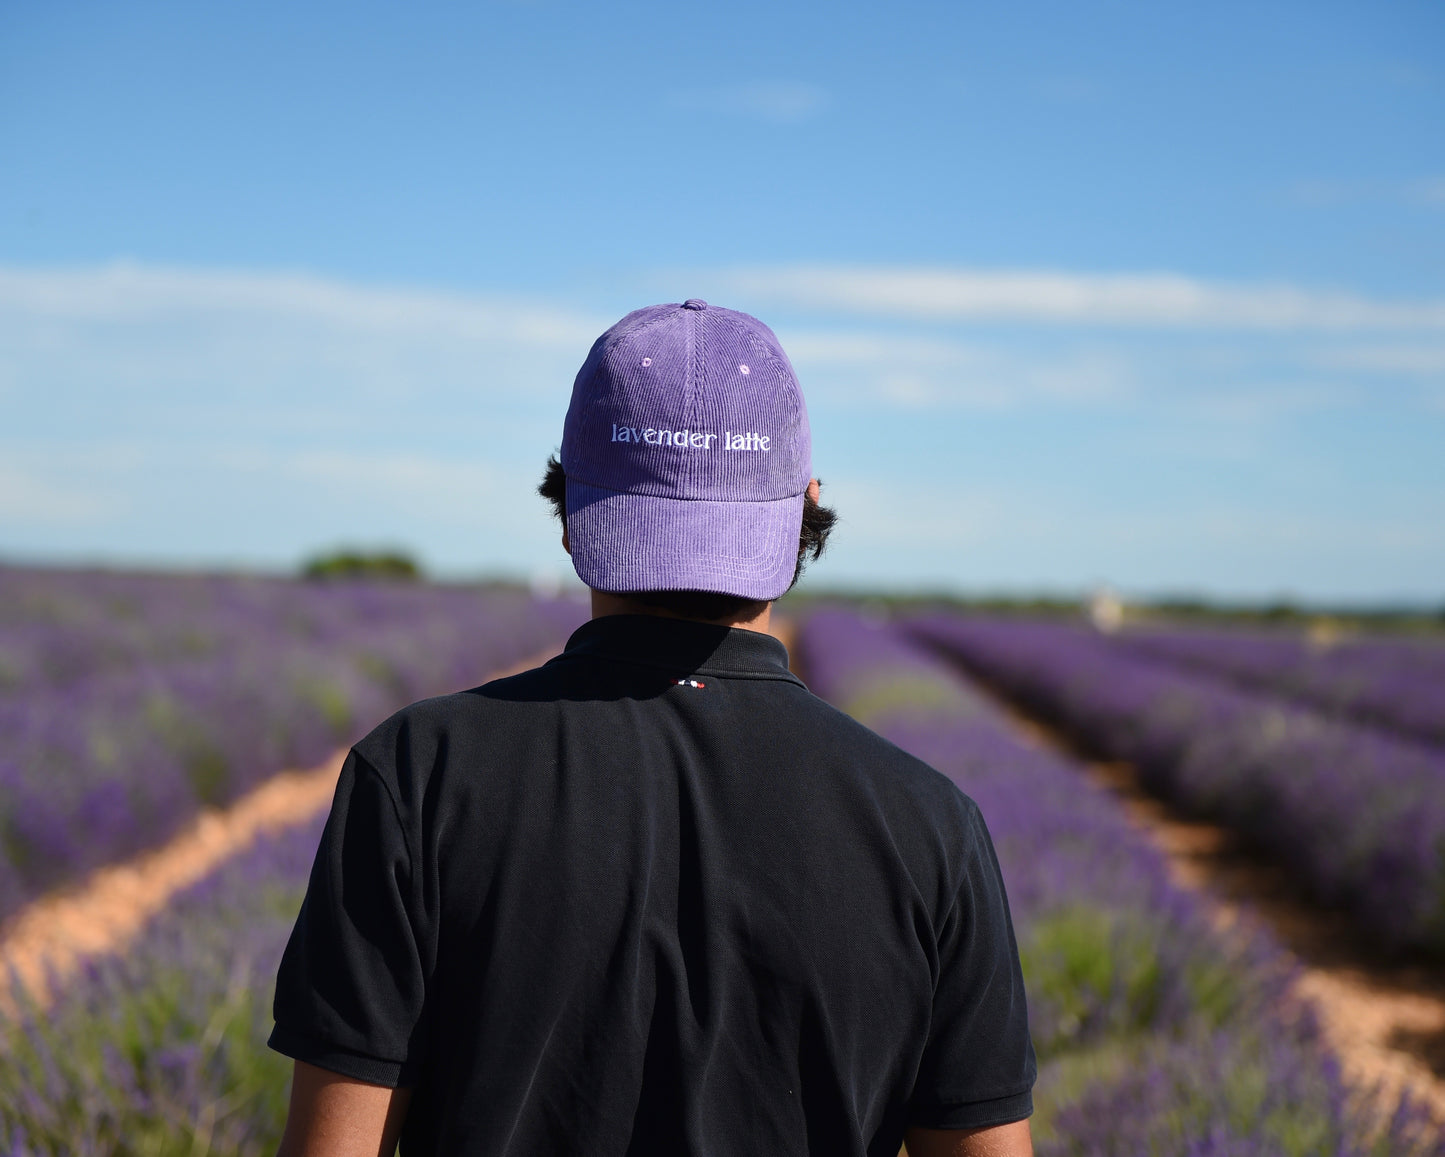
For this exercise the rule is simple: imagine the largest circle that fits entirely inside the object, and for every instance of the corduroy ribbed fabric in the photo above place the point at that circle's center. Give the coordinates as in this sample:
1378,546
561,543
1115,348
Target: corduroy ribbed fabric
687,455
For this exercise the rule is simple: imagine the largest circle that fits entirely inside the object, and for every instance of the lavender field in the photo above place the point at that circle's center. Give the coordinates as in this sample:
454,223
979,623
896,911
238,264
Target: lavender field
128,702
163,1050
1156,1032
1394,684
1355,814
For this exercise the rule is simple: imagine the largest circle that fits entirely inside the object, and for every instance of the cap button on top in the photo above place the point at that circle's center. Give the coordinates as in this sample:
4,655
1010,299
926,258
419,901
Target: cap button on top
694,303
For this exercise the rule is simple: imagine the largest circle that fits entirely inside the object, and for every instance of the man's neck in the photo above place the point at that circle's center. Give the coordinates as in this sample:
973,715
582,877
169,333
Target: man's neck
604,604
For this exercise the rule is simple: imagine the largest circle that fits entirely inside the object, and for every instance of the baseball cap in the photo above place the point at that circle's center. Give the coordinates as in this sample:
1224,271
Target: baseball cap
687,455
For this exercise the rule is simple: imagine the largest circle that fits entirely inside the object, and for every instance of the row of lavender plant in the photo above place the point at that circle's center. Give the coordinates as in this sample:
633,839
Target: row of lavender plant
1396,684
1356,816
163,1051
1156,1033
1141,1014
132,701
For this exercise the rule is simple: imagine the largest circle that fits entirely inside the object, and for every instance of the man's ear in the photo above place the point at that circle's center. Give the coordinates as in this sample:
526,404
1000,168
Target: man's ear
567,546
813,489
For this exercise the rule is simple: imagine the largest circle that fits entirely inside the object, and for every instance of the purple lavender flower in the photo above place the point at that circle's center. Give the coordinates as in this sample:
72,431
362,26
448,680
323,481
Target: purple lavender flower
1358,817
164,1047
1394,684
130,701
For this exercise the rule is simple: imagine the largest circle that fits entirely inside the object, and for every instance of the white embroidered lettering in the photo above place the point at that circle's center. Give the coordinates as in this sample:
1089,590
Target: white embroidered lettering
749,440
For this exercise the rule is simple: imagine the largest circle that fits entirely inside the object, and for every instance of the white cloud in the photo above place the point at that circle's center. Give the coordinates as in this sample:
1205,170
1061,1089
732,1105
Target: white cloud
406,481
1429,191
882,514
265,412
128,292
1322,194
1428,360
823,348
778,101
1264,402
915,372
1318,194
59,486
187,353
1050,535
224,500
1139,300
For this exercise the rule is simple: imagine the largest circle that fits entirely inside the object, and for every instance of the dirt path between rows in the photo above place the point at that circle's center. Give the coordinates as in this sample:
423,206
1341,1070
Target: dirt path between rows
1385,1020
44,943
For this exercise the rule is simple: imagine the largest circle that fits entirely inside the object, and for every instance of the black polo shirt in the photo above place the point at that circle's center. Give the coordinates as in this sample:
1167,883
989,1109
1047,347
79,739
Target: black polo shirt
655,897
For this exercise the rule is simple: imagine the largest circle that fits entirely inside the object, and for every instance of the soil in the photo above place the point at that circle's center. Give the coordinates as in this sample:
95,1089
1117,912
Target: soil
45,942
1383,1017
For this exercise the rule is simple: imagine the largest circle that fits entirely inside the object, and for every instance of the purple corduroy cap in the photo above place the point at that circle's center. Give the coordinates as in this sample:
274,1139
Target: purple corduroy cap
687,455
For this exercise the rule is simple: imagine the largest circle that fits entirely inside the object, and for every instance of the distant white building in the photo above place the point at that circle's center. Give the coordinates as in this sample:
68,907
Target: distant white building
1106,610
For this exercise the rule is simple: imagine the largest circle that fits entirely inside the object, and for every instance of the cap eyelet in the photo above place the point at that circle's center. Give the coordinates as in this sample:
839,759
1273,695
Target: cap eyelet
647,361
744,370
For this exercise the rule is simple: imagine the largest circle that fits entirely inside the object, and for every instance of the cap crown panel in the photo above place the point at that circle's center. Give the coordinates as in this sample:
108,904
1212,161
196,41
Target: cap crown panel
688,403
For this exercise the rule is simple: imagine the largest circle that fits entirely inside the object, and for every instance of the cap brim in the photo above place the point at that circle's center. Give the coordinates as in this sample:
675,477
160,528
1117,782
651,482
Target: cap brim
641,542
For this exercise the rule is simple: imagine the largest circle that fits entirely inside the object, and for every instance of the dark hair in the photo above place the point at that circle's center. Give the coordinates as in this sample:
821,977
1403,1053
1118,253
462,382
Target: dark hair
818,523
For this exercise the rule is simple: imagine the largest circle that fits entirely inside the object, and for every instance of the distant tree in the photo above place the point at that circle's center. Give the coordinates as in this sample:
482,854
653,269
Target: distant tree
356,564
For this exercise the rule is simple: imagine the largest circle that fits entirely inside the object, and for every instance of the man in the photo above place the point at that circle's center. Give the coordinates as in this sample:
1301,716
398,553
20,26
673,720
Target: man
654,897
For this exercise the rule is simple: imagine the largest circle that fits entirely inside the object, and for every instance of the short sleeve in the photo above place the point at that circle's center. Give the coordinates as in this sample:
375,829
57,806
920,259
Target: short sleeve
351,989
978,1064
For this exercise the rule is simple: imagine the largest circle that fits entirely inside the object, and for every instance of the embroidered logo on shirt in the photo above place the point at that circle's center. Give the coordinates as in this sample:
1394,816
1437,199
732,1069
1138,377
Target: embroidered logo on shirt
697,684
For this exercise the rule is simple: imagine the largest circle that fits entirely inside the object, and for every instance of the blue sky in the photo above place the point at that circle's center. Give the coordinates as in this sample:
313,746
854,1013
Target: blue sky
1114,292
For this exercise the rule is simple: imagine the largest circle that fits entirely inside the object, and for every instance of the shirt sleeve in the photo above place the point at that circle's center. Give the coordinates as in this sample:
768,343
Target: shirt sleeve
351,989
978,1064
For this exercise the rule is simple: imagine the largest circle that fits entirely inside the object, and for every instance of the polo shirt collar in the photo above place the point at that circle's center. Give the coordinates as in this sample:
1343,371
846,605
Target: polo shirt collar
682,646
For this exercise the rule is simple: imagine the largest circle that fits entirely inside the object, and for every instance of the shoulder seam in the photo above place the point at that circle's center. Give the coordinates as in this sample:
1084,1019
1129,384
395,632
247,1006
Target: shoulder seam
362,761
972,815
